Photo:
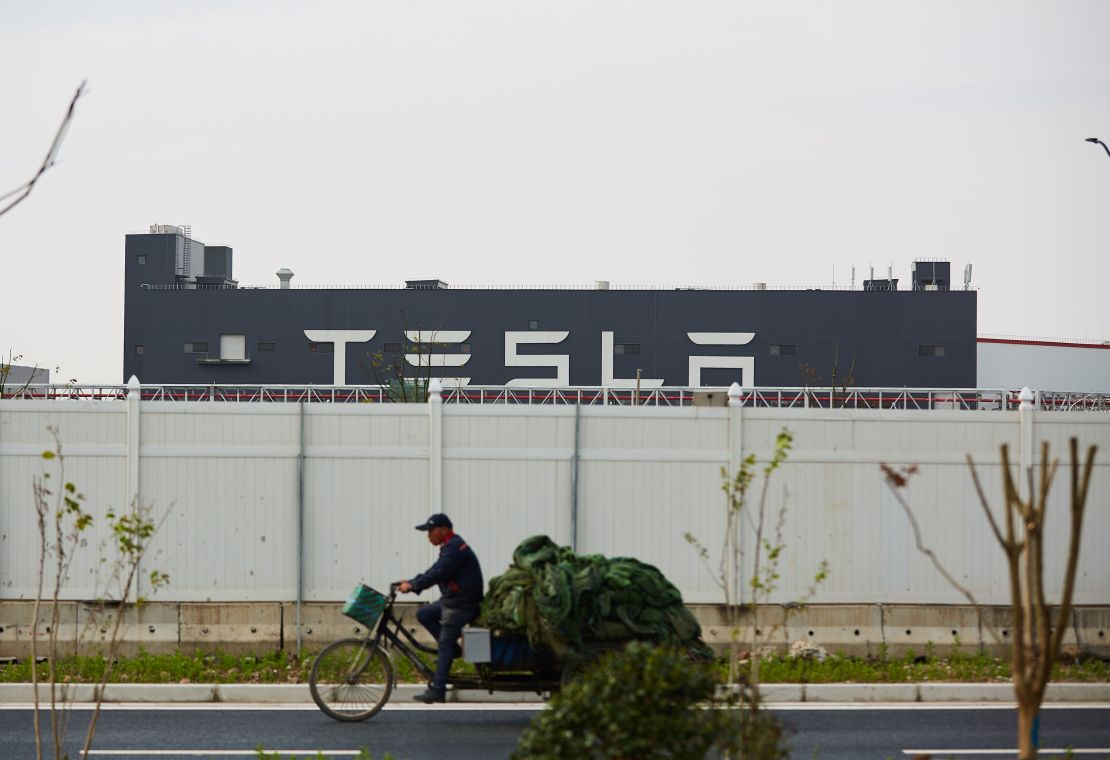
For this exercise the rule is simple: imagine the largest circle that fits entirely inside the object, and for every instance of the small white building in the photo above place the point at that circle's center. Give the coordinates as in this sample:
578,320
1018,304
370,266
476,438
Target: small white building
15,376
1048,365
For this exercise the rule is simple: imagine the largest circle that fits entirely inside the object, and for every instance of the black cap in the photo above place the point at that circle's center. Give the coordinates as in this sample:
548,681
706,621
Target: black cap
438,520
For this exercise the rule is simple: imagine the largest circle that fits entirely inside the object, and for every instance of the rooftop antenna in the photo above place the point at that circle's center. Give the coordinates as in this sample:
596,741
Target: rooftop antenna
967,277
853,276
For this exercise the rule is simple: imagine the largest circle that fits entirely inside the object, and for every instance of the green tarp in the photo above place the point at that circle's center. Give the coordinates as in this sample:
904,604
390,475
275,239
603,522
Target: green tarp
569,604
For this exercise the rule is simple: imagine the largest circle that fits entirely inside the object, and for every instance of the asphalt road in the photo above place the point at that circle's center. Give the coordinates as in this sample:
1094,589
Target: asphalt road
482,732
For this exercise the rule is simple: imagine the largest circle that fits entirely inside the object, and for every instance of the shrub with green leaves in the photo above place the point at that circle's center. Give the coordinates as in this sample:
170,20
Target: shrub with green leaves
649,702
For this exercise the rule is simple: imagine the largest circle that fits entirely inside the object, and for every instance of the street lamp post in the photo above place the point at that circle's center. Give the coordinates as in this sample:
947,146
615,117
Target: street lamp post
1097,141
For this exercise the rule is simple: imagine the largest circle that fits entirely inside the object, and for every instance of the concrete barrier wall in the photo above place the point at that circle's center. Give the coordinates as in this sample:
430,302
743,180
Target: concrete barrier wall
861,630
268,502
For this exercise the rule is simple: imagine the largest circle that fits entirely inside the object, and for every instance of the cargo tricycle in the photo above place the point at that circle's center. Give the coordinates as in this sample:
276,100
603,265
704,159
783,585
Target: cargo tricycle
352,679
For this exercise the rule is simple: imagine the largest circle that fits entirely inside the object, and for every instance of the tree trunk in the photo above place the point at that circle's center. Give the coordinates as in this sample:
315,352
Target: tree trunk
1027,720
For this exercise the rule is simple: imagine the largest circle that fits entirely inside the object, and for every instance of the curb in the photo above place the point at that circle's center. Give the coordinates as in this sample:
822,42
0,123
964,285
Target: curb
777,693
861,692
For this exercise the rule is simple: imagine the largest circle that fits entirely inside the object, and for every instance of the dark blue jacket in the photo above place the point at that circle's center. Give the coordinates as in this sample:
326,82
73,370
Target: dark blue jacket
457,573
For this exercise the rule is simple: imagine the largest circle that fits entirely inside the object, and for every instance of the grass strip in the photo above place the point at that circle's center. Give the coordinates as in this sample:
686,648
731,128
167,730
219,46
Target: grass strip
282,667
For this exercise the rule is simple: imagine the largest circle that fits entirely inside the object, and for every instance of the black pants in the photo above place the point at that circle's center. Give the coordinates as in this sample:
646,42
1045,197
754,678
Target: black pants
445,624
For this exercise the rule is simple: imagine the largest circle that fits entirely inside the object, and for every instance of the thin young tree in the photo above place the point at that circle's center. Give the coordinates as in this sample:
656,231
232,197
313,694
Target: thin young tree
839,386
7,367
1038,633
405,374
10,389
63,522
767,552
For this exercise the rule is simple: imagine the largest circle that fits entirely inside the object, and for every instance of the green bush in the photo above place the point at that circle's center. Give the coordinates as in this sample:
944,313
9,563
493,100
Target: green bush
647,702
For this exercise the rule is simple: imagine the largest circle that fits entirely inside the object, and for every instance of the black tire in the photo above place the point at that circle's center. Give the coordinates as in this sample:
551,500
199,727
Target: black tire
351,679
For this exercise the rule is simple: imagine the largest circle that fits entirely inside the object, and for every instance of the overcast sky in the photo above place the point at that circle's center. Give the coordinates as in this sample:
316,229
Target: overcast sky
511,143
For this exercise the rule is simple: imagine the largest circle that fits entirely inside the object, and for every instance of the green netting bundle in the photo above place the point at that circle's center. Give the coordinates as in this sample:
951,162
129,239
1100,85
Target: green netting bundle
566,603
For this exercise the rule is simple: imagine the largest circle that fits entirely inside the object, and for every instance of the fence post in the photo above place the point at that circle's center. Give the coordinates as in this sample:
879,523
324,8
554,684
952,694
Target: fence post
1026,412
300,521
574,477
435,446
735,455
134,399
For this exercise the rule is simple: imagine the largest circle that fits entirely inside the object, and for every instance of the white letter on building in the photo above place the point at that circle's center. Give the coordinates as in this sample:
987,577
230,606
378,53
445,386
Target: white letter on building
744,363
428,341
340,339
607,379
561,362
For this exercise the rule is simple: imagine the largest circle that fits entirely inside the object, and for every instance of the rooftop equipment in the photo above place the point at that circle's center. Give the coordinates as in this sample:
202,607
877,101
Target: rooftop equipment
931,275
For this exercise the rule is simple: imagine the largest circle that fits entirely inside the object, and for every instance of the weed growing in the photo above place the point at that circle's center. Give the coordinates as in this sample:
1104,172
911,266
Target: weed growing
913,668
282,667
274,667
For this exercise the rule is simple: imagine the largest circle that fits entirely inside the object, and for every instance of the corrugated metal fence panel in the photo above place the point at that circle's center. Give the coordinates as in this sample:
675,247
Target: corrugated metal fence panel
1093,575
366,486
93,438
839,510
224,477
507,476
646,479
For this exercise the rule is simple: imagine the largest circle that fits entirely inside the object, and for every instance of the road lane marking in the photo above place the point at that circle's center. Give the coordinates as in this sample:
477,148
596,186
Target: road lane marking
220,752
271,706
537,706
1007,752
928,706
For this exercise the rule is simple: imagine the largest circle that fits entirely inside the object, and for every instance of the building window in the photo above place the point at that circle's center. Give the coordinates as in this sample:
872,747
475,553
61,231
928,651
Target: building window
138,349
626,348
266,345
392,348
930,350
140,259
533,324
197,347
783,349
233,347
321,348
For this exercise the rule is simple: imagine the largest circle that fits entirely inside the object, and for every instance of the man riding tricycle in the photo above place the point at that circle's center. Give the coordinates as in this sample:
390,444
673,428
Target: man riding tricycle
548,615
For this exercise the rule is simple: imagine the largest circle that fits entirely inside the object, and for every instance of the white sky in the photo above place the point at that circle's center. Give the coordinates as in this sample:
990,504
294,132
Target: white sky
507,143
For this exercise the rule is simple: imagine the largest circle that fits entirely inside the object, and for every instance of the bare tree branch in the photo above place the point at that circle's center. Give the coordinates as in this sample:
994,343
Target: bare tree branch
51,156
1037,637
1080,480
893,486
986,504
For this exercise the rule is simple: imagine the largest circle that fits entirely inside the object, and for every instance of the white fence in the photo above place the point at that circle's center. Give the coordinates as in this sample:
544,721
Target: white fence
269,499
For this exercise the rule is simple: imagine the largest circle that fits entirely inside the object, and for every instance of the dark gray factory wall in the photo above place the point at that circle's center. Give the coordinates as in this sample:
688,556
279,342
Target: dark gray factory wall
895,339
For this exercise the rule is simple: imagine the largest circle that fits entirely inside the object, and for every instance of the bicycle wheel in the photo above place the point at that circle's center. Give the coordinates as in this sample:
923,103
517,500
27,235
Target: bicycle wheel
351,679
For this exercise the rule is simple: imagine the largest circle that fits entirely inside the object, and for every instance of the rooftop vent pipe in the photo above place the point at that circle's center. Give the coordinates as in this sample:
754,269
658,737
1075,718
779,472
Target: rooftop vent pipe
285,275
